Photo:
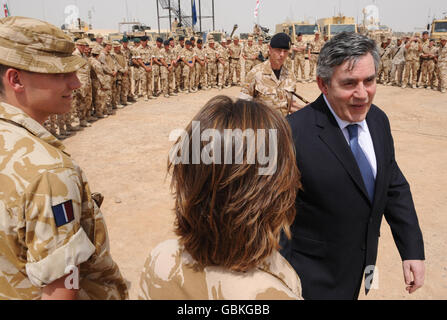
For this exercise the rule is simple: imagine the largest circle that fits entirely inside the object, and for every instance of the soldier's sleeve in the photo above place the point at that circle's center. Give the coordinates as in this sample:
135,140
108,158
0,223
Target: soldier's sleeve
248,89
55,239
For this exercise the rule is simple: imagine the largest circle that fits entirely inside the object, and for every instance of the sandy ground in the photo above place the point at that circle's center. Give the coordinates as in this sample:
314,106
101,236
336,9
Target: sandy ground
125,158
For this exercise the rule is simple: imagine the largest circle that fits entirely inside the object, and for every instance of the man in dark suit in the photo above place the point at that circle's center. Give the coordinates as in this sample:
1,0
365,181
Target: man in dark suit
350,177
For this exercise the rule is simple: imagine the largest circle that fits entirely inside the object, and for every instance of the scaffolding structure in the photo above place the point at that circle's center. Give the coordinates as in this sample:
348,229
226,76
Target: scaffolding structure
175,10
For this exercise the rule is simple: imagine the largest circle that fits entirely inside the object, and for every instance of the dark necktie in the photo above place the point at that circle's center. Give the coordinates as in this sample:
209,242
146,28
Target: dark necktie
362,161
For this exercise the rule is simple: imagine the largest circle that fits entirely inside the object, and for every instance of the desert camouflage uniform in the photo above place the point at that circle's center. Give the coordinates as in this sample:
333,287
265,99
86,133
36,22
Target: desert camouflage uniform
167,77
200,70
156,54
109,69
122,78
442,68
170,273
83,96
315,48
146,55
188,72
127,78
211,60
300,59
428,67
250,53
398,62
261,83
135,86
101,87
223,70
385,64
264,48
235,65
178,69
35,250
411,64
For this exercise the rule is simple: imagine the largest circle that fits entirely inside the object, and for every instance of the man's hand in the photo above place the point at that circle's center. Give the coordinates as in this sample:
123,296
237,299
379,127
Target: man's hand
417,268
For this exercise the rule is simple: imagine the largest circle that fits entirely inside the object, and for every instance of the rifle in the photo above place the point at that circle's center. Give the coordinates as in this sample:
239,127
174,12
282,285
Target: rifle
300,97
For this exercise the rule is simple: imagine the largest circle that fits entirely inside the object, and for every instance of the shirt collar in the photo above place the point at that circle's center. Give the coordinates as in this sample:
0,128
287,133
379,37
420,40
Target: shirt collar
19,118
342,123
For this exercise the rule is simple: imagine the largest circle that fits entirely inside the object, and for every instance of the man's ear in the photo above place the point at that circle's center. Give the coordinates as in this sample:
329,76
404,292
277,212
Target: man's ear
12,78
322,85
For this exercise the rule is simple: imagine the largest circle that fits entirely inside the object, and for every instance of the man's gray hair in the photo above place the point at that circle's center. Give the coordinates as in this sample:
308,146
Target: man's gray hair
345,47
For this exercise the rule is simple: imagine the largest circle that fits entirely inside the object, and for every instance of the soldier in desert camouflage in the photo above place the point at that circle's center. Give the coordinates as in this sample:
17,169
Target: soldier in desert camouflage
50,226
237,256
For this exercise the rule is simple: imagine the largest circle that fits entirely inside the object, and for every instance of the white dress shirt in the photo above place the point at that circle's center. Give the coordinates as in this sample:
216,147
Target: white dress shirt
365,140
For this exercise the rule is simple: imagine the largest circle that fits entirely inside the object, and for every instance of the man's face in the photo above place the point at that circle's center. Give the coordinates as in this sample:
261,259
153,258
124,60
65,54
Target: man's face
125,45
117,49
211,44
182,43
425,36
199,45
224,44
188,46
167,47
172,43
277,57
250,43
399,42
300,38
430,44
443,42
236,42
158,44
317,36
47,94
99,40
108,48
144,44
351,92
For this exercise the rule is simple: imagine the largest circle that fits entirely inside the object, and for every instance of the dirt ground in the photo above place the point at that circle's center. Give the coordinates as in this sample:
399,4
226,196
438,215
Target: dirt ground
125,158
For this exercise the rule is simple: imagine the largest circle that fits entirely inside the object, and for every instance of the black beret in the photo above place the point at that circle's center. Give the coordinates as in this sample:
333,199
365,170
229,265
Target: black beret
160,40
192,39
171,39
280,41
166,43
188,42
144,38
181,38
299,34
425,32
199,41
125,39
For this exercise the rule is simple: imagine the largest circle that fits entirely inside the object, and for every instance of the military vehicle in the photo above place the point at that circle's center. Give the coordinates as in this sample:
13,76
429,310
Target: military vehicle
337,24
438,28
294,28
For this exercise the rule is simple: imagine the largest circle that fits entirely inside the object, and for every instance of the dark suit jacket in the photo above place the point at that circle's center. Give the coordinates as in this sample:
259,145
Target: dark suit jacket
336,229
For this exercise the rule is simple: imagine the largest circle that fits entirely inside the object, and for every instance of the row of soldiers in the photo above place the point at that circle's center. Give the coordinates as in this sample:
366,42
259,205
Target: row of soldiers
118,73
414,62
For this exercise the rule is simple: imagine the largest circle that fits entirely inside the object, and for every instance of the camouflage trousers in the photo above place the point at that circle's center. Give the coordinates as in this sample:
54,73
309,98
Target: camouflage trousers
125,89
178,76
397,71
249,64
235,66
200,76
427,73
147,88
135,84
312,64
411,70
156,75
384,71
83,103
300,63
99,100
167,80
442,75
189,77
223,71
212,74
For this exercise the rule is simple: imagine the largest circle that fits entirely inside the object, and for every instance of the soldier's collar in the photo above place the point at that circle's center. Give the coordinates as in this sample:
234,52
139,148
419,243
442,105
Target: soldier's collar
19,118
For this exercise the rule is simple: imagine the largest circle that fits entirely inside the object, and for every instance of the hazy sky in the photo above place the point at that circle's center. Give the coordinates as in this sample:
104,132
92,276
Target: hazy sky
400,15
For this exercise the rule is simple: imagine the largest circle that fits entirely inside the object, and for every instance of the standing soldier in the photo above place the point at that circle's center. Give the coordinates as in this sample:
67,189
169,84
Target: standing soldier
122,76
299,48
99,41
200,67
110,70
235,54
127,78
385,52
83,95
223,63
156,54
188,57
413,51
272,82
53,238
428,65
135,69
211,62
167,70
260,51
398,62
179,64
250,54
442,65
313,52
146,69
100,84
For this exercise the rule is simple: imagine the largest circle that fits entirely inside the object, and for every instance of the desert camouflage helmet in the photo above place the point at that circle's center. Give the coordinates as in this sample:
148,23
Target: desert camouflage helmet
36,46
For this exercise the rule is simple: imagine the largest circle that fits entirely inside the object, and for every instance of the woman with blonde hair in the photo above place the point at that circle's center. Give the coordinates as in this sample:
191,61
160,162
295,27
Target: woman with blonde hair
234,190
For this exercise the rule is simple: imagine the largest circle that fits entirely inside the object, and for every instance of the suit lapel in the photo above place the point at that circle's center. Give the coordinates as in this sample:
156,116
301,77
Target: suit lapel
334,139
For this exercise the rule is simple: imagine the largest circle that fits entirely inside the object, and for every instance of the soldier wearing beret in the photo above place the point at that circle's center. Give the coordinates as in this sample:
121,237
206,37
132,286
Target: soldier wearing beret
179,64
53,238
200,66
272,82
167,70
313,52
156,64
235,65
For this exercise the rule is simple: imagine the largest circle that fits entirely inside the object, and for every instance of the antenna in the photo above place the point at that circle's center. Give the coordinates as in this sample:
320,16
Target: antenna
127,11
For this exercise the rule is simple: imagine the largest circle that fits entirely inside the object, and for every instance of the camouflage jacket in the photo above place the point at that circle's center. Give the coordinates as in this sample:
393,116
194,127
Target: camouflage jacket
210,55
224,54
188,55
235,50
413,53
442,56
121,64
200,54
49,222
302,46
84,73
170,273
316,46
250,52
99,79
261,83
